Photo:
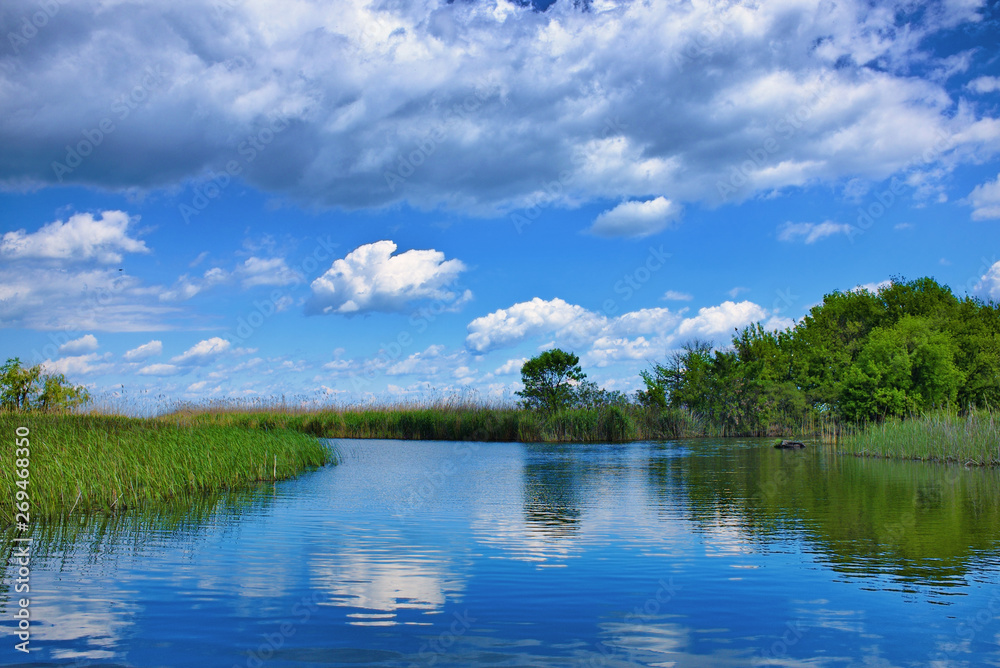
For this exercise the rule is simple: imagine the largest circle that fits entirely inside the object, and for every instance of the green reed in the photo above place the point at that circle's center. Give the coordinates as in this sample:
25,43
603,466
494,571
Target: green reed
112,463
940,436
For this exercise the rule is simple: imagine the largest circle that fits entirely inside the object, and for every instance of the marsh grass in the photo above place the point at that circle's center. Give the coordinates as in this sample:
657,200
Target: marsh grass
113,463
940,436
449,420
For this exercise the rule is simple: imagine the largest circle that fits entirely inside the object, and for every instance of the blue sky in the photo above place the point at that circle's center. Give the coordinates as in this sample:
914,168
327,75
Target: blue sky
404,200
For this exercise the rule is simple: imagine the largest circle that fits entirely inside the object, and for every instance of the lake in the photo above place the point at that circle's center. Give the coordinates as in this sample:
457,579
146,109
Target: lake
408,553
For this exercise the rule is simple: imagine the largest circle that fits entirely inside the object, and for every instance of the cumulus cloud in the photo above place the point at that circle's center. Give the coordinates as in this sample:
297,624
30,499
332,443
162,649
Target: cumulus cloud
473,105
985,200
989,283
82,237
570,324
510,366
712,321
810,233
371,278
145,351
675,296
510,326
79,365
85,344
202,352
636,218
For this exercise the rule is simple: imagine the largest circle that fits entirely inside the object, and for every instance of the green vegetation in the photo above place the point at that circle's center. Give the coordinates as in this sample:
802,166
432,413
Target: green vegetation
859,357
28,389
548,380
450,421
939,436
112,463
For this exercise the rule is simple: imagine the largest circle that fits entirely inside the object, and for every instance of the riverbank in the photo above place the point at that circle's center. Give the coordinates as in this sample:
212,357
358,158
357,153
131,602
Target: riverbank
973,439
113,463
458,422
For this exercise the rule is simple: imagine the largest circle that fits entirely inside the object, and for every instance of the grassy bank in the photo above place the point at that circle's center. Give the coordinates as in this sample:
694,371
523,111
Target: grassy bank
84,462
940,436
454,422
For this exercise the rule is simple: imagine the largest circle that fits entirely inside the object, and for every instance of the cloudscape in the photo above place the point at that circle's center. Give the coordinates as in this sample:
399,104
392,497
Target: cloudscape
357,201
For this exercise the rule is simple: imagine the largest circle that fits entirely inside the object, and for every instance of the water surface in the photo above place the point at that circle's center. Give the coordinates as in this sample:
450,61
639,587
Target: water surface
694,553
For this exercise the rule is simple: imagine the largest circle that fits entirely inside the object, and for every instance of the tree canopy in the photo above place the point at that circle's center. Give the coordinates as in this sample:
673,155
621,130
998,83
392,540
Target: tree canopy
547,380
24,388
859,356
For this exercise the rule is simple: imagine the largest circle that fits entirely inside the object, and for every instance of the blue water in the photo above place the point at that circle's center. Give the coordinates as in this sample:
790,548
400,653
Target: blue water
693,553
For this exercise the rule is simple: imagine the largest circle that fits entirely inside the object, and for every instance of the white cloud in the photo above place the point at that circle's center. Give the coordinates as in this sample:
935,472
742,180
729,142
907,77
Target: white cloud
989,283
145,351
674,295
985,200
462,86
570,324
985,84
737,291
607,350
507,327
185,287
636,218
428,362
160,370
85,344
202,352
712,321
811,232
510,366
79,365
41,297
82,237
267,271
371,278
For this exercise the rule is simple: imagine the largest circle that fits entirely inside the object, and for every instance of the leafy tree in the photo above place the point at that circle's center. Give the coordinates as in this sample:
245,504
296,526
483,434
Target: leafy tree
547,380
18,384
861,355
27,388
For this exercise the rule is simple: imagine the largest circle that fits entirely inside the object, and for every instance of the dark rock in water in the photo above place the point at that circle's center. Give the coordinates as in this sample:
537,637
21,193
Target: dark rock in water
790,445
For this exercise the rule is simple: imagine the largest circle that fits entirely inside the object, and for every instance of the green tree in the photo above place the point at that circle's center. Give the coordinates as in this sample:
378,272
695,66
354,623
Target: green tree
547,380
25,388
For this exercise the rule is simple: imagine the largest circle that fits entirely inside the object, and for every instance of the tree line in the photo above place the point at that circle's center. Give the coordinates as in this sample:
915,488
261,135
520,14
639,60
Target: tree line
859,356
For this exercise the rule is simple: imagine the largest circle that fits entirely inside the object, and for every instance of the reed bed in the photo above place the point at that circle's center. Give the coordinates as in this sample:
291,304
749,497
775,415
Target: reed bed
972,439
112,463
451,421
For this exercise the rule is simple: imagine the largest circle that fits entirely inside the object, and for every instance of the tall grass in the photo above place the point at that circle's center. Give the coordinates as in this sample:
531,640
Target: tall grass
453,421
939,436
111,463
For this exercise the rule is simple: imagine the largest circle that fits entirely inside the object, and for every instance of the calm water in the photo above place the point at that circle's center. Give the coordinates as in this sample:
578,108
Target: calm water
421,553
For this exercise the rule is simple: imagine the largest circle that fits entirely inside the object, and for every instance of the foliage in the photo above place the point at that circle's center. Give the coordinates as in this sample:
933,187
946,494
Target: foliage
113,463
859,356
548,380
938,435
27,388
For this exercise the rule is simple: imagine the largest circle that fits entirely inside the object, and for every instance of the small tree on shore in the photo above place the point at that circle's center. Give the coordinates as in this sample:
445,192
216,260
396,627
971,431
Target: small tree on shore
24,388
547,380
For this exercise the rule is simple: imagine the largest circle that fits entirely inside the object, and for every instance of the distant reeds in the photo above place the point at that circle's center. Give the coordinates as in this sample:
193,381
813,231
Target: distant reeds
453,421
112,463
939,436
